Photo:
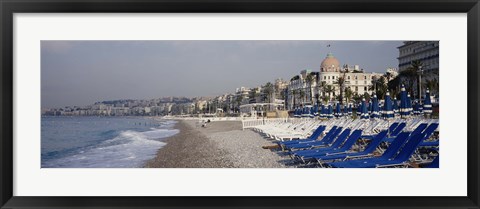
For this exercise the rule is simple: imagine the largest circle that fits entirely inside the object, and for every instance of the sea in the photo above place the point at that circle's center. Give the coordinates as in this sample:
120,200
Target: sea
102,142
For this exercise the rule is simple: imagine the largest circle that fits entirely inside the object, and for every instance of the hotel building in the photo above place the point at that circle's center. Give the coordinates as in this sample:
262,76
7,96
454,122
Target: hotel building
426,52
330,70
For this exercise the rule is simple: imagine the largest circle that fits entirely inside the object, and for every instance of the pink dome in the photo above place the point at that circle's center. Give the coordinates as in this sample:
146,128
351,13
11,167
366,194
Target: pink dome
330,64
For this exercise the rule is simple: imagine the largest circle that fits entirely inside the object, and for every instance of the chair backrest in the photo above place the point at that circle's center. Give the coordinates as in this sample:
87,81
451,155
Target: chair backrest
317,132
341,138
330,132
333,135
375,142
430,130
392,127
420,128
395,145
397,130
410,147
357,134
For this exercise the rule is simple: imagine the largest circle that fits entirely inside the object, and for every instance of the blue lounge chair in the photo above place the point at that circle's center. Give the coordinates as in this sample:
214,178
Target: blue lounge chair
311,138
331,135
398,129
408,149
392,149
434,164
400,159
392,127
430,144
352,139
390,130
308,145
420,128
368,151
327,136
431,130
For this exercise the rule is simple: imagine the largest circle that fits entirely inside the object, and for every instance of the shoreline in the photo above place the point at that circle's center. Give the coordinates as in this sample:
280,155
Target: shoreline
222,144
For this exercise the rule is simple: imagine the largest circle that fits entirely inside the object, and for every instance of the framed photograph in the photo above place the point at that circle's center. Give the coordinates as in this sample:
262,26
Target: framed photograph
237,104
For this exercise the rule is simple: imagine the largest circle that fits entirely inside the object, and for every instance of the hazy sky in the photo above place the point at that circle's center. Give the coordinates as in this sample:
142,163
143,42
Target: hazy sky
83,72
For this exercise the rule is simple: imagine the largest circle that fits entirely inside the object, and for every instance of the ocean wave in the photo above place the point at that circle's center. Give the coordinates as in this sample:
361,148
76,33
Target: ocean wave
128,149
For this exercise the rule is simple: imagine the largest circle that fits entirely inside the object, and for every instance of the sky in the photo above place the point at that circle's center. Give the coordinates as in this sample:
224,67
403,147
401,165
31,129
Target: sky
83,72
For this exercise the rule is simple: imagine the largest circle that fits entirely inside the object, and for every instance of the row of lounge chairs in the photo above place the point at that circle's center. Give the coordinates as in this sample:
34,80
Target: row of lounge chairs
358,144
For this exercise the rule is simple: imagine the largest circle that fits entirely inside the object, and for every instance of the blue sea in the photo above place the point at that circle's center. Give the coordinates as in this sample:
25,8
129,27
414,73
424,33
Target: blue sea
102,142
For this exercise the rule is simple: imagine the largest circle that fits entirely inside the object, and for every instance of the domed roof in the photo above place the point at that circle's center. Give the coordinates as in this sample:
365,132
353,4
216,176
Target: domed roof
330,64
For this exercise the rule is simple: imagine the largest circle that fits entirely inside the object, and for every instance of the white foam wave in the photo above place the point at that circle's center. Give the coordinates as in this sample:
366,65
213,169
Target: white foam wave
129,149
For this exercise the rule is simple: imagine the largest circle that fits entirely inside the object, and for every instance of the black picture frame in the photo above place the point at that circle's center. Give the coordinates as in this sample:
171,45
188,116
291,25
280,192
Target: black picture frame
10,7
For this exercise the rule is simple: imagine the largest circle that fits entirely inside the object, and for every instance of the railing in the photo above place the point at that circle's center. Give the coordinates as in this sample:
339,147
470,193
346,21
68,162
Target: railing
250,123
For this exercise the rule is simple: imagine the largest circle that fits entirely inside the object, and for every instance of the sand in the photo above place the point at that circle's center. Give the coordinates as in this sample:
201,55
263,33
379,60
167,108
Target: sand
222,144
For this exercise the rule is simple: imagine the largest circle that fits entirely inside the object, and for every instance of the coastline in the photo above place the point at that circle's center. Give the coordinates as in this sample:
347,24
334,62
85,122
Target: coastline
222,144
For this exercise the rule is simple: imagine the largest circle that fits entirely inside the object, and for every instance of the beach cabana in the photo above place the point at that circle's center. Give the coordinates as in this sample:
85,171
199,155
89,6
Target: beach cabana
416,108
409,104
395,107
350,110
330,111
359,109
297,112
375,109
387,107
315,110
404,108
363,110
322,111
345,110
338,111
427,104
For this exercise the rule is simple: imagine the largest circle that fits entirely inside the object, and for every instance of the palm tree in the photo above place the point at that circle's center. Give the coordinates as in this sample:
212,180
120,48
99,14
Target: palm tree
388,76
239,100
394,85
416,67
317,96
341,85
322,88
329,89
294,93
302,95
309,79
432,85
410,75
380,86
357,98
366,96
348,94
268,89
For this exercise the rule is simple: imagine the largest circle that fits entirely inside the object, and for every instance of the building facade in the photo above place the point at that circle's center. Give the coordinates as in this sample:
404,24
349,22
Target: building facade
306,91
426,52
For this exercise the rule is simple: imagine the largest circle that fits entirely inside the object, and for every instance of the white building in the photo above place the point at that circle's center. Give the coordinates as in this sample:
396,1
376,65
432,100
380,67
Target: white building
355,78
330,70
426,52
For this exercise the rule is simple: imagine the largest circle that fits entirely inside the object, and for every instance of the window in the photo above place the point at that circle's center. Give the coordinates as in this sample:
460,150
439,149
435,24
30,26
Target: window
328,77
324,77
356,88
365,77
356,77
365,88
348,77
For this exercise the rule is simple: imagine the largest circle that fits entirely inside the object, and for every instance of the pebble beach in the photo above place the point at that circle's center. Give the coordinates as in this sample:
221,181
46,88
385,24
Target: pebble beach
221,144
